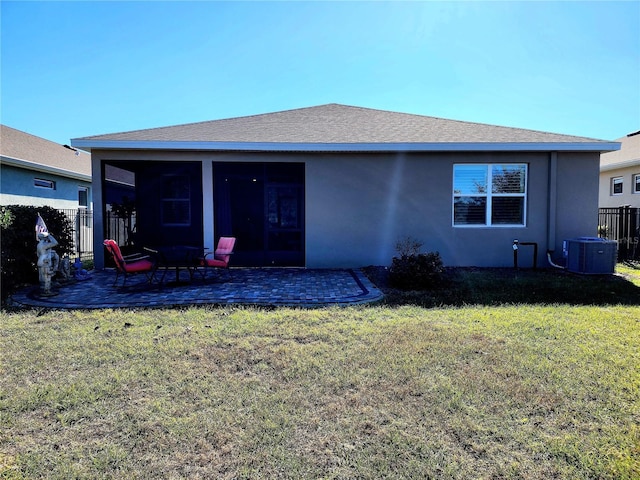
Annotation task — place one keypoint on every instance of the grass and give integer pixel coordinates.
(388, 391)
(630, 271)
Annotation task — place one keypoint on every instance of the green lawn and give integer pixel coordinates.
(507, 391)
(630, 271)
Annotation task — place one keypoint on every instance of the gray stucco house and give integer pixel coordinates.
(38, 172)
(338, 186)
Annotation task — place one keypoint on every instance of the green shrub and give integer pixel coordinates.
(412, 270)
(18, 242)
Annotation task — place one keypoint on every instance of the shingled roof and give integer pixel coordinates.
(335, 127)
(35, 153)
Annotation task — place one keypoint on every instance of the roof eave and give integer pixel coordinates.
(39, 167)
(89, 144)
(620, 165)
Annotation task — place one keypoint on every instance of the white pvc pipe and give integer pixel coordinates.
(551, 261)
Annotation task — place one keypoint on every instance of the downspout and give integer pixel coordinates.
(552, 205)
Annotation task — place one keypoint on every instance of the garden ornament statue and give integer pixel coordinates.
(48, 261)
(80, 273)
(65, 269)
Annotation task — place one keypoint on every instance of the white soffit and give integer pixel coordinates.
(619, 165)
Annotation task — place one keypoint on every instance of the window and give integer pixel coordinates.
(176, 200)
(489, 195)
(83, 197)
(42, 183)
(636, 183)
(616, 186)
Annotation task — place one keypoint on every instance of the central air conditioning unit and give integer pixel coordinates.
(591, 255)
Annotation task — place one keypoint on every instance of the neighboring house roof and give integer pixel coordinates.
(24, 150)
(119, 175)
(627, 156)
(336, 127)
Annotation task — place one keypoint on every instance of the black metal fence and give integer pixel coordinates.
(82, 221)
(121, 229)
(623, 225)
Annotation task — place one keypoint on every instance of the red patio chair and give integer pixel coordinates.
(220, 257)
(130, 264)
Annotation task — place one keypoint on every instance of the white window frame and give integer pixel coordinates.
(489, 195)
(636, 183)
(168, 201)
(44, 183)
(617, 181)
(86, 191)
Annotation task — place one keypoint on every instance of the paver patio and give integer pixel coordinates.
(242, 286)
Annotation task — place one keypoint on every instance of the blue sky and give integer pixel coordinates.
(72, 69)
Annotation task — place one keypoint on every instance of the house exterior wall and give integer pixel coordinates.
(359, 205)
(628, 197)
(577, 212)
(17, 188)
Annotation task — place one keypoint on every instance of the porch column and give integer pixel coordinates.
(97, 174)
(207, 204)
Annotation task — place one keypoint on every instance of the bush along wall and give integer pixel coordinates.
(413, 270)
(18, 265)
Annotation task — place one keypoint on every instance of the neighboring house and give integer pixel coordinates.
(338, 186)
(38, 172)
(620, 174)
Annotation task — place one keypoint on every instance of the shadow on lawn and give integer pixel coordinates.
(494, 286)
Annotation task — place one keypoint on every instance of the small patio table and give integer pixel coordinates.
(180, 257)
